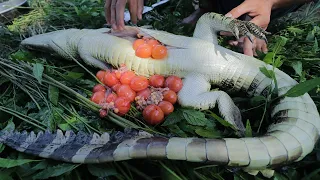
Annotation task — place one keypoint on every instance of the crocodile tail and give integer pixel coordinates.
(296, 126)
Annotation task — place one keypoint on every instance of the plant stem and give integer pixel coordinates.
(21, 116)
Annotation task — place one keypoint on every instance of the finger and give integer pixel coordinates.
(140, 9)
(264, 48)
(239, 10)
(247, 47)
(113, 20)
(233, 43)
(258, 46)
(262, 21)
(107, 11)
(133, 7)
(241, 39)
(121, 4)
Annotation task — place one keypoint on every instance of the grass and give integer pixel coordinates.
(56, 96)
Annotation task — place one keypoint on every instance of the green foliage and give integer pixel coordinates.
(37, 71)
(55, 171)
(101, 170)
(9, 163)
(303, 87)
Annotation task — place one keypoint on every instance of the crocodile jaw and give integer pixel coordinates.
(39, 42)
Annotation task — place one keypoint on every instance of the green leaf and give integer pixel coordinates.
(73, 75)
(5, 176)
(9, 163)
(315, 47)
(248, 129)
(281, 40)
(278, 62)
(55, 171)
(94, 14)
(176, 130)
(22, 56)
(10, 126)
(222, 121)
(101, 170)
(266, 72)
(173, 118)
(269, 58)
(257, 100)
(313, 175)
(195, 117)
(295, 30)
(278, 176)
(297, 66)
(208, 133)
(37, 71)
(41, 165)
(186, 127)
(2, 146)
(167, 173)
(53, 94)
(303, 87)
(310, 36)
(64, 126)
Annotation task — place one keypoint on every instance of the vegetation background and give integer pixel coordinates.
(39, 91)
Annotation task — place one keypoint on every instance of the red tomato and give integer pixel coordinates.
(100, 75)
(159, 52)
(139, 83)
(123, 105)
(125, 91)
(111, 97)
(98, 97)
(144, 93)
(170, 96)
(166, 107)
(137, 43)
(174, 83)
(144, 51)
(118, 74)
(98, 87)
(126, 77)
(153, 114)
(116, 87)
(156, 81)
(110, 79)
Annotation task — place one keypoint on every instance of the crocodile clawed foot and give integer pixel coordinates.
(230, 112)
(249, 29)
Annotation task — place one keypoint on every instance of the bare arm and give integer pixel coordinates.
(283, 3)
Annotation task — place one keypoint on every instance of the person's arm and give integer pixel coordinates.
(284, 3)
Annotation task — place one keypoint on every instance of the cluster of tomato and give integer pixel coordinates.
(120, 89)
(146, 48)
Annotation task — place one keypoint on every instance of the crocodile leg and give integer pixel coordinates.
(210, 23)
(197, 88)
(90, 60)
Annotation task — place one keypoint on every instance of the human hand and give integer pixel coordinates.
(249, 48)
(114, 12)
(260, 12)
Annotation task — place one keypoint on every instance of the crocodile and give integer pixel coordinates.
(201, 62)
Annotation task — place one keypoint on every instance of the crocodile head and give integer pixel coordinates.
(40, 42)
